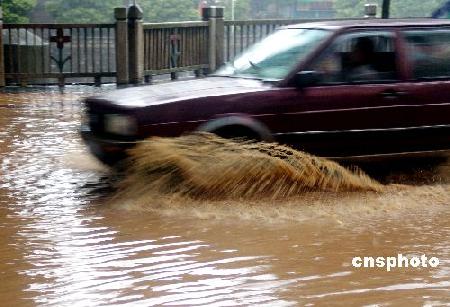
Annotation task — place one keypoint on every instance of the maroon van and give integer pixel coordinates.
(336, 89)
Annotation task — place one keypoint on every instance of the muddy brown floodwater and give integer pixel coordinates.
(65, 242)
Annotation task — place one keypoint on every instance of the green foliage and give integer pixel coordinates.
(399, 8)
(16, 11)
(98, 11)
(350, 8)
(241, 9)
(414, 8)
(169, 10)
(82, 11)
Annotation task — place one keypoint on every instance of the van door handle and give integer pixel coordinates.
(393, 94)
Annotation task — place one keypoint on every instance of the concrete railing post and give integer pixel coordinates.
(370, 10)
(120, 14)
(2, 61)
(135, 45)
(215, 17)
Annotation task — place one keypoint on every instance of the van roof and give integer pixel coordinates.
(372, 22)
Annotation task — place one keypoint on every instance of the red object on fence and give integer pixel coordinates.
(201, 5)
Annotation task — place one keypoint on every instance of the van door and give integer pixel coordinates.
(358, 101)
(428, 86)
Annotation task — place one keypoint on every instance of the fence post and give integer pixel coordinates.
(386, 9)
(120, 13)
(2, 61)
(135, 45)
(215, 17)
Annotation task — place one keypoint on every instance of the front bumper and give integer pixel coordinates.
(108, 151)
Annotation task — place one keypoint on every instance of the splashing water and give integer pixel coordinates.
(204, 166)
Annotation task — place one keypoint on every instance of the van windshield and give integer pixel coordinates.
(276, 55)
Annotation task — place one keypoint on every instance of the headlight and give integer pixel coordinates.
(120, 124)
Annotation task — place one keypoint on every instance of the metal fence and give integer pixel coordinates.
(175, 47)
(47, 51)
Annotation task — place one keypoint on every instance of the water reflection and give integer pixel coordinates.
(61, 244)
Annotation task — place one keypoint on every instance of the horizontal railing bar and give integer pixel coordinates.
(175, 69)
(165, 25)
(277, 21)
(57, 75)
(263, 22)
(57, 26)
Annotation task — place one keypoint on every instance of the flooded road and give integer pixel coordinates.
(63, 242)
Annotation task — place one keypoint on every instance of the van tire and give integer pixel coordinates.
(237, 132)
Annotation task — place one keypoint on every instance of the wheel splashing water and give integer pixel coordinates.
(204, 166)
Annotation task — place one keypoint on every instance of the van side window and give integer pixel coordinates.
(365, 57)
(429, 53)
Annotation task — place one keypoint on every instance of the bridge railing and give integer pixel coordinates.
(41, 52)
(174, 47)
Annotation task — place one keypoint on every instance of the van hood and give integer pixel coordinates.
(158, 94)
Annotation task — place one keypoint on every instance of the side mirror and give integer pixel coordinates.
(304, 79)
